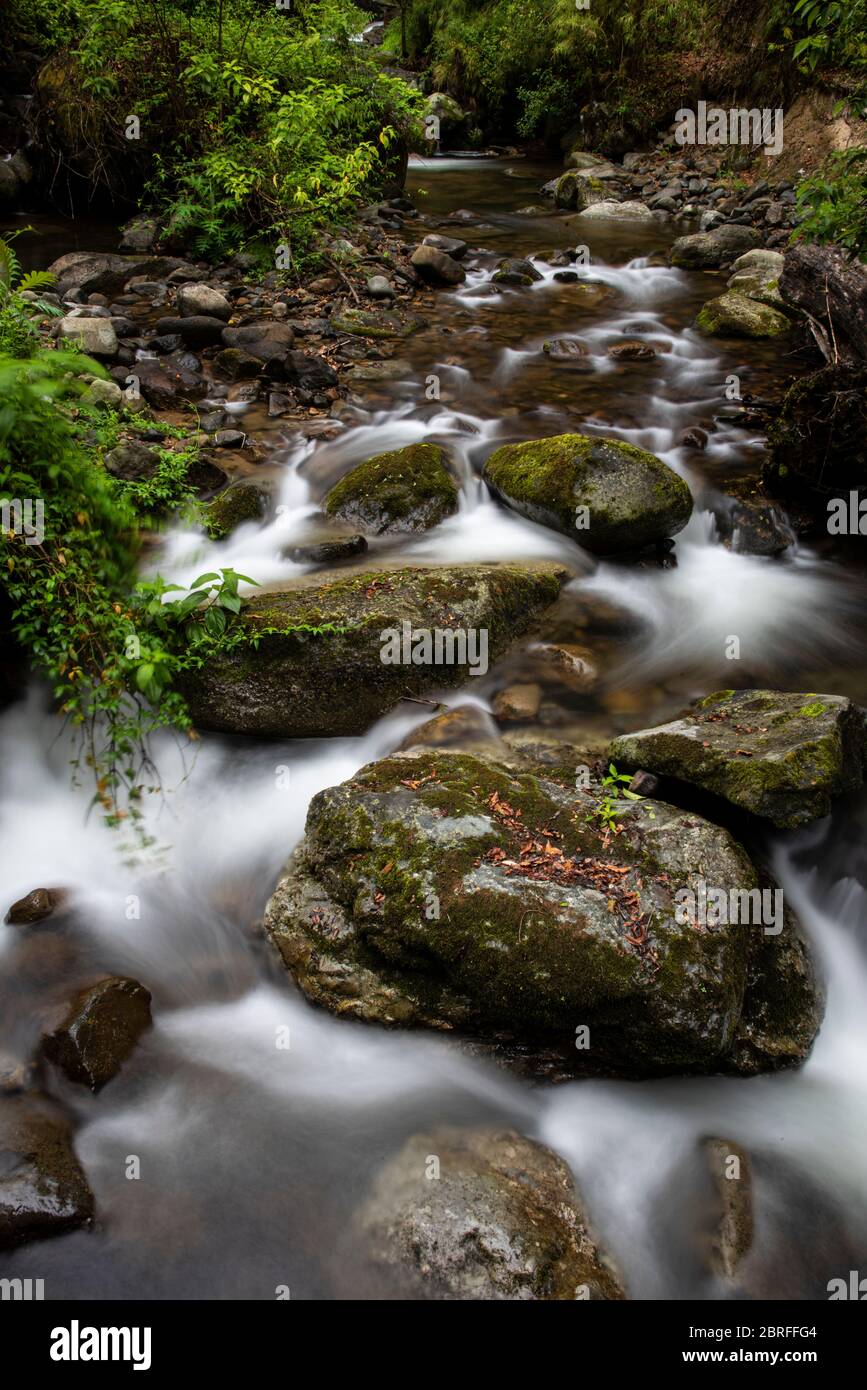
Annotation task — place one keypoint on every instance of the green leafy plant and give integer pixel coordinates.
(833, 204)
(614, 786)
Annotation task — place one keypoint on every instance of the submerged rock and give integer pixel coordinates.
(318, 668)
(781, 756)
(606, 495)
(408, 489)
(482, 1214)
(448, 890)
(99, 1030)
(43, 1190)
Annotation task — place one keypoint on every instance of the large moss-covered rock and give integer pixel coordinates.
(778, 755)
(407, 489)
(497, 1217)
(448, 890)
(738, 315)
(632, 499)
(317, 668)
(43, 1190)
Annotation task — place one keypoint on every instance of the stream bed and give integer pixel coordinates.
(253, 1156)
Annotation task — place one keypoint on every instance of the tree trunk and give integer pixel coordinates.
(832, 291)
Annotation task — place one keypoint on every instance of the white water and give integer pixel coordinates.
(253, 1157)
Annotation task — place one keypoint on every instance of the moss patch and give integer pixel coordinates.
(406, 489)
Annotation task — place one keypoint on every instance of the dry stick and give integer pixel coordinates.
(345, 280)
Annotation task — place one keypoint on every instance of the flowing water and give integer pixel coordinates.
(253, 1157)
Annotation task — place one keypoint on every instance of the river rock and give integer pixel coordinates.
(36, 906)
(446, 890)
(132, 460)
(308, 373)
(139, 234)
(628, 211)
(239, 503)
(407, 489)
(781, 756)
(398, 369)
(99, 1030)
(318, 668)
(500, 1221)
(734, 315)
(194, 330)
(436, 267)
(96, 272)
(378, 287)
(632, 498)
(200, 299)
(43, 1190)
(449, 245)
(95, 336)
(267, 340)
(377, 323)
(452, 118)
(581, 159)
(575, 191)
(707, 250)
(164, 383)
(754, 528)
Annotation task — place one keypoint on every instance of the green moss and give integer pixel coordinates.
(407, 489)
(632, 499)
(238, 503)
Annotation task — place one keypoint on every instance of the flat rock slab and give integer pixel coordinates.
(317, 668)
(781, 756)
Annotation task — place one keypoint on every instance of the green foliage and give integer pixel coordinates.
(111, 649)
(18, 331)
(531, 64)
(614, 786)
(833, 203)
(254, 121)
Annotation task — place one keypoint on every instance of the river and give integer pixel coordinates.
(253, 1157)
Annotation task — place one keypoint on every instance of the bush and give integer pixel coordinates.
(246, 121)
(833, 203)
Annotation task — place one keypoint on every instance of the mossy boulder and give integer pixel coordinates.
(236, 504)
(500, 1220)
(576, 191)
(632, 499)
(737, 315)
(310, 660)
(781, 756)
(407, 489)
(377, 323)
(448, 890)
